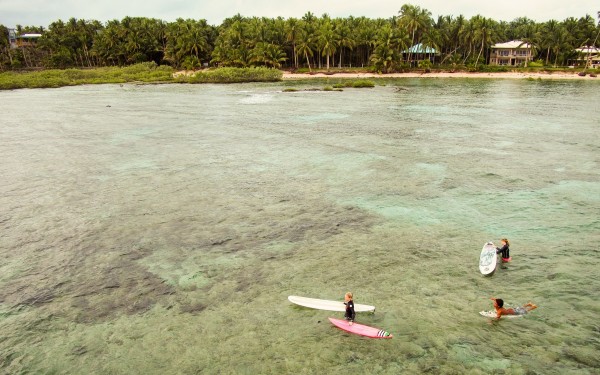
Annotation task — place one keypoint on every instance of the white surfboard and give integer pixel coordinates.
(487, 259)
(492, 314)
(323, 304)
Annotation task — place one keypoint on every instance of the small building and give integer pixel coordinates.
(513, 53)
(588, 56)
(420, 52)
(12, 38)
(27, 39)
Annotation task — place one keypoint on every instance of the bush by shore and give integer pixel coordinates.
(152, 73)
(232, 75)
(143, 73)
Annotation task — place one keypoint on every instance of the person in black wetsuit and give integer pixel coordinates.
(505, 250)
(350, 314)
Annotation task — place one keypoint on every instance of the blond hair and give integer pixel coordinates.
(349, 295)
(506, 240)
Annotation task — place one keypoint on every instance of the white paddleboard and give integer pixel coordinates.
(487, 259)
(323, 304)
(492, 314)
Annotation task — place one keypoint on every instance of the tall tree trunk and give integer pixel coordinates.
(87, 55)
(9, 55)
(25, 57)
(307, 61)
(411, 47)
(295, 55)
(479, 55)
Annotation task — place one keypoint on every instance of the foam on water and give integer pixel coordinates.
(160, 229)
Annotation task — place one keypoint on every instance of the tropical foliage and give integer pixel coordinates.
(306, 43)
(143, 72)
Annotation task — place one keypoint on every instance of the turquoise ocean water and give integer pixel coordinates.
(160, 229)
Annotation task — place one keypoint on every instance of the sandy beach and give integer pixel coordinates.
(509, 75)
(496, 75)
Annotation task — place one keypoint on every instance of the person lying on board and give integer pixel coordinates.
(350, 314)
(521, 310)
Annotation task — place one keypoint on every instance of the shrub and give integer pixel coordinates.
(235, 75)
(190, 63)
(145, 72)
(363, 83)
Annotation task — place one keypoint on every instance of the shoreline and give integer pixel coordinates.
(496, 75)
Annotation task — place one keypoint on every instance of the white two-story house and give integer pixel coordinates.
(513, 53)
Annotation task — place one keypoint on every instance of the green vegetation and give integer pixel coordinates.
(362, 83)
(144, 72)
(233, 75)
(301, 44)
(357, 83)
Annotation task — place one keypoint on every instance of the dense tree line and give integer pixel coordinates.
(307, 42)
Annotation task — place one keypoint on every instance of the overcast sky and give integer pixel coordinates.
(44, 12)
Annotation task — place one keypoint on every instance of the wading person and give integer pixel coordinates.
(350, 313)
(504, 250)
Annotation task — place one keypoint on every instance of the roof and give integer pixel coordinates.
(419, 48)
(30, 36)
(512, 44)
(588, 49)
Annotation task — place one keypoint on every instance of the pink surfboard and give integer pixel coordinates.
(360, 329)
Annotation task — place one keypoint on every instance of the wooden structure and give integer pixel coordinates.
(587, 56)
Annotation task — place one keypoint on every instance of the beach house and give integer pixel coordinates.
(25, 40)
(419, 52)
(588, 56)
(513, 53)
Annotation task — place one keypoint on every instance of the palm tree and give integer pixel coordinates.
(343, 37)
(550, 32)
(432, 40)
(416, 21)
(560, 41)
(292, 29)
(187, 40)
(305, 43)
(384, 53)
(326, 40)
(365, 35)
(483, 34)
(268, 54)
(467, 38)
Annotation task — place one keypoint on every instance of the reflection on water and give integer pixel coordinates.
(160, 229)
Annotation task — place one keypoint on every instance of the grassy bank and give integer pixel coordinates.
(232, 75)
(152, 73)
(144, 73)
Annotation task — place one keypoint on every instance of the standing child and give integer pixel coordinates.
(350, 314)
(505, 250)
